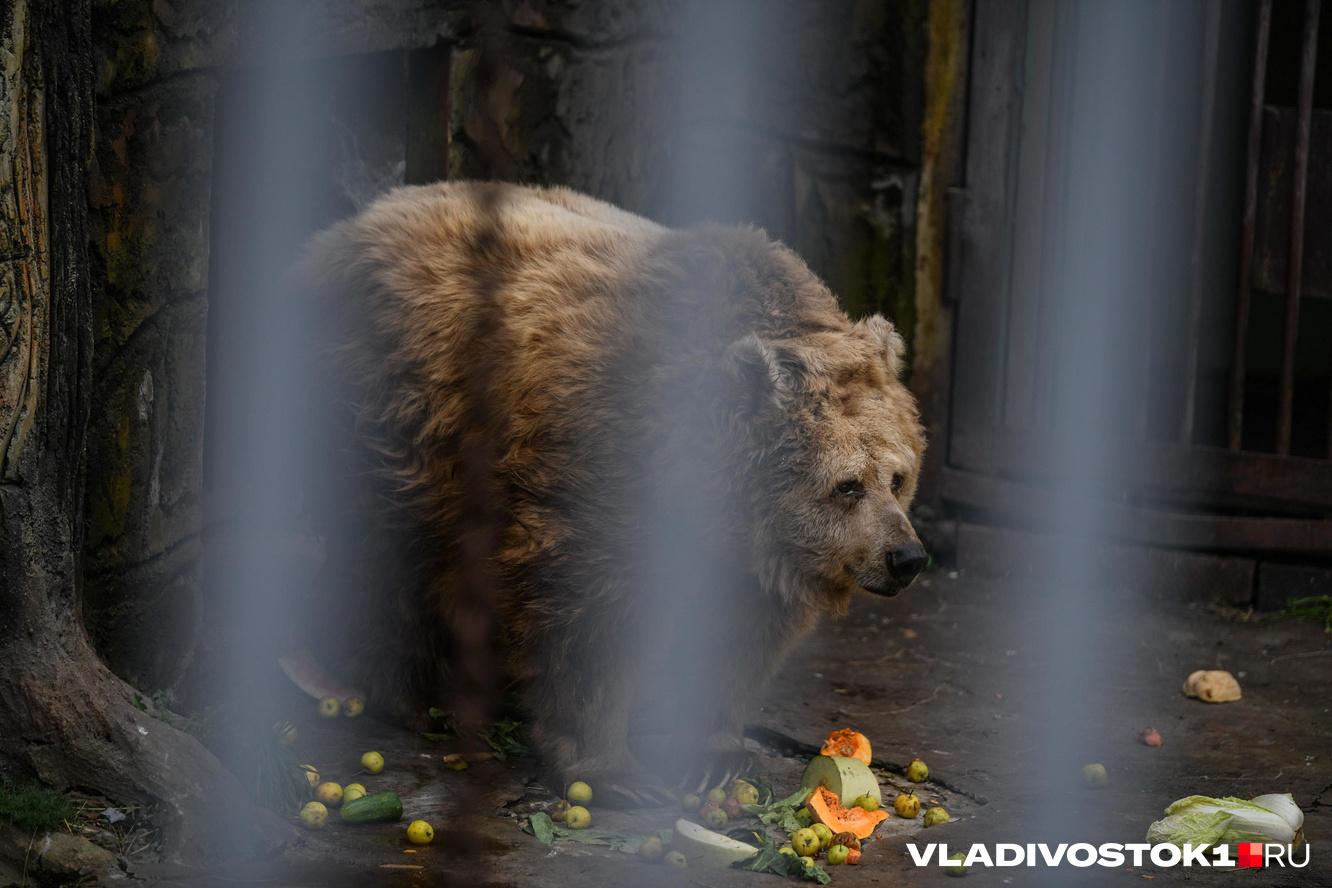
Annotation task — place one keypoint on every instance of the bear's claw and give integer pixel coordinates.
(719, 768)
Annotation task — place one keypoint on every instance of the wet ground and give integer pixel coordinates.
(937, 673)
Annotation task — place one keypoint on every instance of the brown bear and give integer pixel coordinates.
(695, 453)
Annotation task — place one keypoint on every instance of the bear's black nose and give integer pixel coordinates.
(905, 562)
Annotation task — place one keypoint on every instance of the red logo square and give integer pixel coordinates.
(1250, 854)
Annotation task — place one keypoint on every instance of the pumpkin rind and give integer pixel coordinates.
(828, 810)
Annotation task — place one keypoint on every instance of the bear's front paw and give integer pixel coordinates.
(717, 764)
(627, 787)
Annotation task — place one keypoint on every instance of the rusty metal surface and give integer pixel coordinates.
(1308, 65)
(1272, 225)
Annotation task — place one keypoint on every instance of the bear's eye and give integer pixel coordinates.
(898, 481)
(849, 487)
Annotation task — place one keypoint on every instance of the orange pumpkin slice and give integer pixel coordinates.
(828, 810)
(848, 744)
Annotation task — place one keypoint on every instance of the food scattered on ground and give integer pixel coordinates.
(351, 792)
(847, 778)
(846, 743)
(1203, 820)
(505, 739)
(817, 823)
(1212, 686)
(285, 732)
(579, 793)
(455, 762)
(917, 771)
(907, 804)
(848, 839)
(1152, 737)
(372, 762)
(935, 816)
(829, 811)
(1094, 776)
(956, 867)
(329, 707)
(420, 833)
(704, 847)
(805, 842)
(329, 793)
(379, 807)
(651, 849)
(745, 792)
(353, 706)
(577, 817)
(314, 815)
(311, 776)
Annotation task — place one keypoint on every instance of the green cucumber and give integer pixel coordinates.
(382, 807)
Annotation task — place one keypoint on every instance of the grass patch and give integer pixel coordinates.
(34, 808)
(1316, 608)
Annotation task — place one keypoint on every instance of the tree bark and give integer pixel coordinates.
(64, 718)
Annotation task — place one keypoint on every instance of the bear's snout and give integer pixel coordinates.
(905, 562)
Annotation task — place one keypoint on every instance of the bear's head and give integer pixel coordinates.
(841, 455)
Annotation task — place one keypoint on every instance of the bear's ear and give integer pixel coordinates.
(763, 370)
(882, 329)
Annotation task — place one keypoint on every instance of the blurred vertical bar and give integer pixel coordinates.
(1295, 260)
(1247, 232)
(1206, 124)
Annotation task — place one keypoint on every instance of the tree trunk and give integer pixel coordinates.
(65, 718)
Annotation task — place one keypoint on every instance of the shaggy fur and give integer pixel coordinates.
(697, 453)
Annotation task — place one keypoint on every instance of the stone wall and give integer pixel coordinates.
(801, 116)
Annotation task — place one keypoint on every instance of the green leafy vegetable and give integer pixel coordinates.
(770, 860)
(541, 826)
(548, 831)
(505, 739)
(780, 813)
(1205, 820)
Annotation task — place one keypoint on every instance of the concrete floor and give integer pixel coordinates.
(936, 673)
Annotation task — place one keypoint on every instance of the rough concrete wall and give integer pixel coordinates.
(624, 101)
(158, 67)
(813, 132)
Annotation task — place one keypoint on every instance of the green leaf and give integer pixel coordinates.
(547, 831)
(780, 813)
(541, 826)
(436, 738)
(505, 740)
(770, 860)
